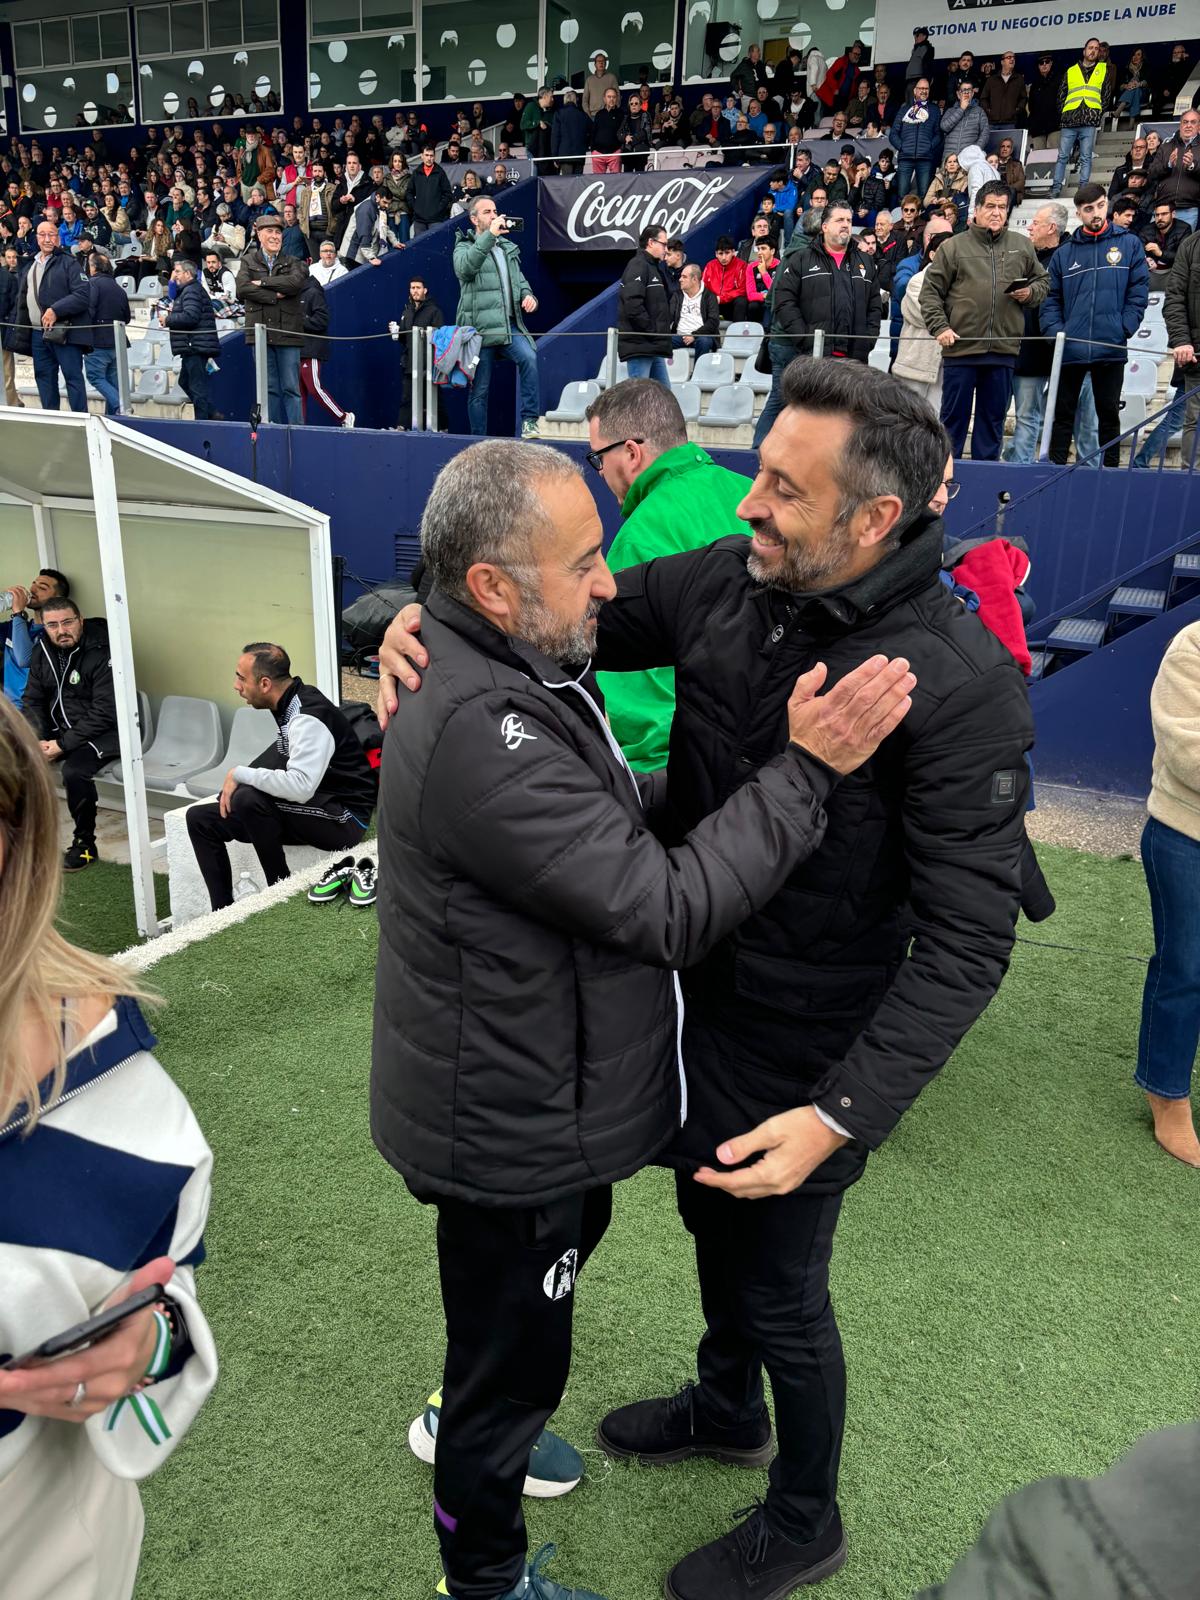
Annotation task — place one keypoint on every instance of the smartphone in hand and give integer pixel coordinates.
(85, 1334)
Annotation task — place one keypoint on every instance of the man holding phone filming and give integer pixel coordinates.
(526, 1051)
(495, 299)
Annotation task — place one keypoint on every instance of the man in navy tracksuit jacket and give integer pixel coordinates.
(1099, 290)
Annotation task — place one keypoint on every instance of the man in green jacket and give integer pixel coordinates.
(973, 303)
(673, 497)
(495, 293)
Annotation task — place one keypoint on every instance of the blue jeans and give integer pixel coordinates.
(781, 352)
(101, 369)
(990, 385)
(703, 344)
(914, 177)
(1190, 215)
(649, 367)
(1154, 441)
(1030, 397)
(1068, 139)
(1130, 103)
(283, 385)
(1170, 1030)
(520, 353)
(48, 361)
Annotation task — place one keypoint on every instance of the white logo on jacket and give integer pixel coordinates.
(512, 731)
(560, 1279)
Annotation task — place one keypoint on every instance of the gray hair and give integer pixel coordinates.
(475, 205)
(188, 266)
(1059, 216)
(484, 506)
(691, 269)
(640, 408)
(896, 446)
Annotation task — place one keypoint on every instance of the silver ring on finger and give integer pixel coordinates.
(79, 1396)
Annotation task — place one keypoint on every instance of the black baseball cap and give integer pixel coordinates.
(1046, 58)
(916, 31)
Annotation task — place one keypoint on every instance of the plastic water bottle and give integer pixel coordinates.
(244, 886)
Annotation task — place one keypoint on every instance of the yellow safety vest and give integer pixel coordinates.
(1083, 91)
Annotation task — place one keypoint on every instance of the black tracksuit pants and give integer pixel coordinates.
(763, 1267)
(1107, 378)
(507, 1291)
(79, 768)
(255, 818)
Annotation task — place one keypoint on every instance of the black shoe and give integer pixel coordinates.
(81, 854)
(753, 1562)
(658, 1433)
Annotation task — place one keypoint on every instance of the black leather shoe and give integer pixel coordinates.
(753, 1562)
(660, 1432)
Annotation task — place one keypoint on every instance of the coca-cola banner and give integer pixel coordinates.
(609, 212)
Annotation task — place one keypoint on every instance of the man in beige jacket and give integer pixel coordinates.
(1170, 1031)
(597, 81)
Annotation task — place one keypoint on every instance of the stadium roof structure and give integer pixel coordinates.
(186, 560)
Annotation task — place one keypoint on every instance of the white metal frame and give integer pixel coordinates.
(272, 510)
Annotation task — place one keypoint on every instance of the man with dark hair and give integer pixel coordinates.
(725, 275)
(673, 496)
(1162, 236)
(646, 309)
(70, 702)
(421, 310)
(22, 632)
(1099, 288)
(107, 303)
(967, 307)
(191, 322)
(313, 786)
(430, 194)
(827, 1012)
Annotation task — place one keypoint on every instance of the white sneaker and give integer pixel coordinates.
(348, 420)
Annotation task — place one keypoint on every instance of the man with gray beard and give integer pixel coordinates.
(812, 1027)
(526, 1017)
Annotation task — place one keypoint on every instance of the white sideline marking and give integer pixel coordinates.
(142, 956)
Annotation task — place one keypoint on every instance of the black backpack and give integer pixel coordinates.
(367, 731)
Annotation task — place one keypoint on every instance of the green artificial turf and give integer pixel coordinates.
(1015, 1279)
(97, 907)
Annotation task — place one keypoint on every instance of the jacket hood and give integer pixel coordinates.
(131, 1036)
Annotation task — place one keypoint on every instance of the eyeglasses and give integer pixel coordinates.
(951, 487)
(595, 458)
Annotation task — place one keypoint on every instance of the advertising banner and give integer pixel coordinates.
(609, 212)
(989, 26)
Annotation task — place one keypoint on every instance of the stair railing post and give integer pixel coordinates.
(1056, 363)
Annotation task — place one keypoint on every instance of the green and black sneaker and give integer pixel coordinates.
(333, 882)
(362, 883)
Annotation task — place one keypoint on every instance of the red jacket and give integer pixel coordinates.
(728, 282)
(994, 571)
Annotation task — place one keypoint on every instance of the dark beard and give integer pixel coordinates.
(801, 570)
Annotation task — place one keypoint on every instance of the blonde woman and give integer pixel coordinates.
(104, 1190)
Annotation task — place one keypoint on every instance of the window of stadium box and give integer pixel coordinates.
(195, 57)
(73, 72)
(718, 33)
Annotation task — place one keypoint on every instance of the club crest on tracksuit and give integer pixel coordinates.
(560, 1279)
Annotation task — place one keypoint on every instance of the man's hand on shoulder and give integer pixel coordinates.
(399, 655)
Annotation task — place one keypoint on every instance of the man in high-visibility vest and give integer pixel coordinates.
(1085, 98)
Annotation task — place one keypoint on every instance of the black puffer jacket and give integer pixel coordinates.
(316, 322)
(646, 309)
(525, 1019)
(819, 997)
(69, 696)
(811, 291)
(192, 322)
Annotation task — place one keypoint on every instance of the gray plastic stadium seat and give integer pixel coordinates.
(622, 373)
(126, 280)
(251, 733)
(1133, 411)
(145, 727)
(742, 339)
(1141, 376)
(574, 401)
(730, 407)
(679, 366)
(758, 382)
(187, 741)
(688, 395)
(713, 372)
